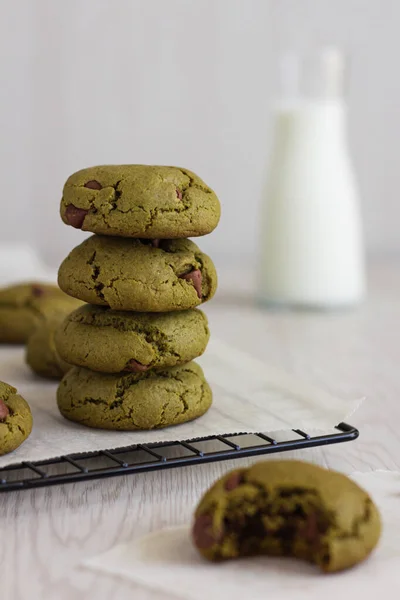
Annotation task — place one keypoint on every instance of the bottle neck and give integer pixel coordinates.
(317, 79)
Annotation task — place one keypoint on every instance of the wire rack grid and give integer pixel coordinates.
(140, 458)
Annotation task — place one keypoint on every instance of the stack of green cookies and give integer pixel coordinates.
(133, 344)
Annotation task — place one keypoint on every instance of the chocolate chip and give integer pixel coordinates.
(233, 481)
(287, 532)
(136, 367)
(38, 291)
(310, 529)
(155, 242)
(202, 533)
(313, 529)
(195, 277)
(178, 194)
(4, 412)
(93, 185)
(75, 216)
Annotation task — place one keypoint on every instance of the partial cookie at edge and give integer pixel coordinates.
(15, 419)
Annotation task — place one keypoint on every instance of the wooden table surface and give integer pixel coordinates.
(46, 533)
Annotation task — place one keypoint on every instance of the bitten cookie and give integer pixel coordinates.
(25, 306)
(129, 274)
(15, 419)
(287, 508)
(139, 201)
(110, 341)
(41, 354)
(148, 400)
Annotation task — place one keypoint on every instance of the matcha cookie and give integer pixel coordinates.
(287, 508)
(23, 307)
(148, 400)
(139, 201)
(129, 274)
(41, 354)
(109, 341)
(15, 419)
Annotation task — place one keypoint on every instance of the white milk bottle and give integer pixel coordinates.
(311, 243)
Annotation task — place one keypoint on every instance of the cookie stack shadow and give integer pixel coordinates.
(133, 344)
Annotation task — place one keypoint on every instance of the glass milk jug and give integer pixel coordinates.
(311, 247)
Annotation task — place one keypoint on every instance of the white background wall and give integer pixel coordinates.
(186, 82)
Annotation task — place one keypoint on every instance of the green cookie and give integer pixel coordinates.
(128, 274)
(15, 419)
(25, 306)
(148, 400)
(287, 508)
(139, 201)
(109, 341)
(41, 354)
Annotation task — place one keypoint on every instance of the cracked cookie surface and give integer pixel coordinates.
(15, 419)
(130, 274)
(25, 306)
(108, 341)
(41, 353)
(139, 201)
(287, 508)
(150, 400)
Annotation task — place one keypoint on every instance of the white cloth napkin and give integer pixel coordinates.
(249, 396)
(167, 562)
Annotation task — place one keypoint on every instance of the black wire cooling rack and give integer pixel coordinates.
(141, 457)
